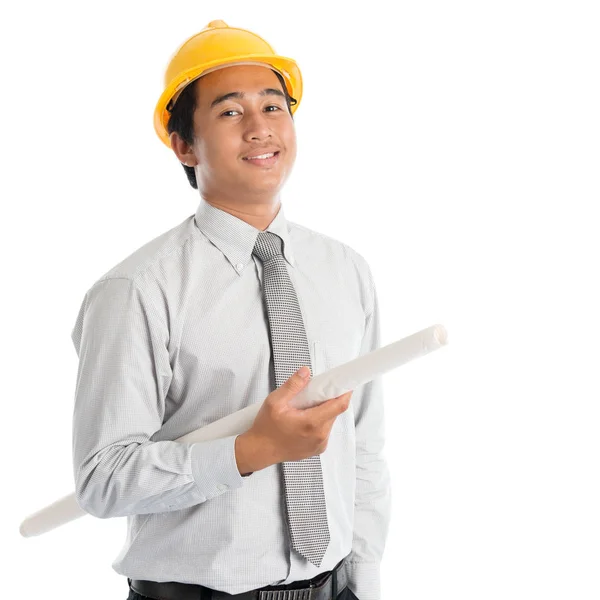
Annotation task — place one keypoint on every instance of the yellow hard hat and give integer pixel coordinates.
(215, 46)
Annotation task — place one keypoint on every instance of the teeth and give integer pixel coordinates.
(262, 156)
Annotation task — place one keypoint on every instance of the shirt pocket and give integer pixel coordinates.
(318, 359)
(344, 422)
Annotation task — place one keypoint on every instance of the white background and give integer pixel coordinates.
(455, 145)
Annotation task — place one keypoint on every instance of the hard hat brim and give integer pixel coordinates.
(286, 66)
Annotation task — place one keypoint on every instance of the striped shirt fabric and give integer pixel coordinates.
(176, 336)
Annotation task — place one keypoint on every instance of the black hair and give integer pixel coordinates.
(182, 113)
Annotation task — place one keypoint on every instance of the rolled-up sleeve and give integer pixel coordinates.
(123, 377)
(373, 489)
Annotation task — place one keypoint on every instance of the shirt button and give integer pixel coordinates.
(239, 266)
(221, 487)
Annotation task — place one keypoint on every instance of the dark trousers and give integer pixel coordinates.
(347, 594)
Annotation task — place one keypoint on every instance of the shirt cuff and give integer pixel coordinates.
(214, 467)
(364, 579)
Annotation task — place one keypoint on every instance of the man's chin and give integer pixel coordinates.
(260, 187)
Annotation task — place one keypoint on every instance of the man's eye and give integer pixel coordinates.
(270, 106)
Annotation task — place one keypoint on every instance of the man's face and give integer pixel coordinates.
(226, 131)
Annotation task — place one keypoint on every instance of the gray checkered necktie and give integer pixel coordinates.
(304, 495)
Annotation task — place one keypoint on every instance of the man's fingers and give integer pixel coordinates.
(330, 409)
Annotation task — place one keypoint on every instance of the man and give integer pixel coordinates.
(217, 313)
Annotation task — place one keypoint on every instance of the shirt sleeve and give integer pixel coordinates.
(122, 379)
(373, 488)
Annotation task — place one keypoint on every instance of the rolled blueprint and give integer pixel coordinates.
(322, 387)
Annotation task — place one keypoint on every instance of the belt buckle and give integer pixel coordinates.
(308, 593)
(305, 594)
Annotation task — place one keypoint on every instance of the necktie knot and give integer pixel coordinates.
(267, 245)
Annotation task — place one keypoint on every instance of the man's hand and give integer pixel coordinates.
(281, 432)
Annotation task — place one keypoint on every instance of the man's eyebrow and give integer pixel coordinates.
(241, 95)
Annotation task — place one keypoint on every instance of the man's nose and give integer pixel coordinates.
(257, 124)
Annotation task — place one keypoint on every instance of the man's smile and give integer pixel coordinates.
(271, 159)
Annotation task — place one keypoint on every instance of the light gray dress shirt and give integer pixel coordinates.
(175, 337)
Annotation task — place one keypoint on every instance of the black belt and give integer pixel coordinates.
(325, 586)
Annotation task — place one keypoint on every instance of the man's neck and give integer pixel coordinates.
(257, 215)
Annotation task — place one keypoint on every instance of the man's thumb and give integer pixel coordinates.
(298, 380)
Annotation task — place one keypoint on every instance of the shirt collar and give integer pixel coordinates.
(236, 238)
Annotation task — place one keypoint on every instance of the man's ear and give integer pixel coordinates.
(183, 150)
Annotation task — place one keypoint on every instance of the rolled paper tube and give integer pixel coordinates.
(322, 387)
(350, 375)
